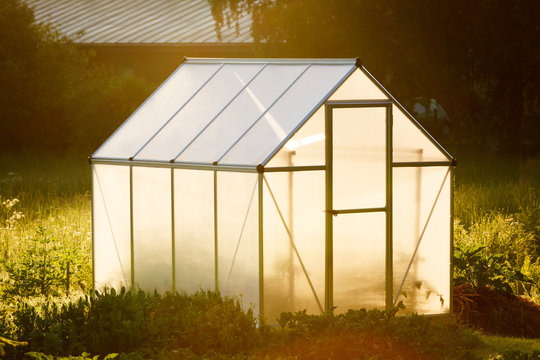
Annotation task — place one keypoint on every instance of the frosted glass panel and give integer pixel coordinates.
(359, 158)
(427, 286)
(358, 87)
(254, 100)
(112, 258)
(201, 109)
(300, 199)
(152, 228)
(157, 110)
(194, 229)
(410, 144)
(283, 117)
(359, 261)
(306, 147)
(238, 259)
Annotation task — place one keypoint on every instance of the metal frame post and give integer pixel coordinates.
(261, 247)
(92, 170)
(216, 273)
(329, 231)
(131, 237)
(451, 290)
(389, 274)
(173, 235)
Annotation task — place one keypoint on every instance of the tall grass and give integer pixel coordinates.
(48, 193)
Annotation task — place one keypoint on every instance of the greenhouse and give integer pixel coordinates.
(291, 183)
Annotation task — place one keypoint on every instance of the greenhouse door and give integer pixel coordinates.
(358, 205)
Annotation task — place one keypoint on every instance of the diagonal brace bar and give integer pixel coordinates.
(293, 245)
(420, 238)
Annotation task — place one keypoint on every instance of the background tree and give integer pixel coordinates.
(52, 98)
(480, 59)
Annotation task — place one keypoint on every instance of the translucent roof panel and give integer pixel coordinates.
(202, 108)
(288, 113)
(156, 110)
(254, 100)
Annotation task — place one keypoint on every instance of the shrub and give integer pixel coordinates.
(126, 321)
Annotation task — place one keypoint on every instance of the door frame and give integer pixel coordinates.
(330, 212)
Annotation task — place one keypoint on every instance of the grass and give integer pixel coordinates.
(493, 346)
(48, 192)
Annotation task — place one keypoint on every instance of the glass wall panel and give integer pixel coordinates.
(112, 259)
(306, 147)
(299, 196)
(410, 144)
(252, 102)
(284, 116)
(152, 229)
(238, 241)
(427, 286)
(359, 147)
(194, 230)
(358, 87)
(359, 261)
(156, 111)
(200, 110)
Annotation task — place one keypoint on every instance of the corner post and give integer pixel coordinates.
(451, 290)
(329, 247)
(260, 175)
(131, 237)
(389, 274)
(92, 170)
(216, 273)
(173, 234)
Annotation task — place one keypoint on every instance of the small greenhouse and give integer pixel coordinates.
(292, 183)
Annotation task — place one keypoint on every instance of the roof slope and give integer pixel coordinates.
(216, 111)
(138, 21)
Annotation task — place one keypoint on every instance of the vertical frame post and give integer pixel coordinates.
(173, 234)
(261, 246)
(216, 280)
(131, 237)
(92, 169)
(329, 247)
(451, 290)
(389, 273)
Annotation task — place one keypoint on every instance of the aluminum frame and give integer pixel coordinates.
(329, 206)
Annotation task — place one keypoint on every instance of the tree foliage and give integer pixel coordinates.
(480, 59)
(47, 84)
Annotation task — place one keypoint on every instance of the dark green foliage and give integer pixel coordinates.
(520, 355)
(51, 95)
(127, 321)
(362, 334)
(475, 266)
(485, 75)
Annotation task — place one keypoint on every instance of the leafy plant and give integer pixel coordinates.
(475, 266)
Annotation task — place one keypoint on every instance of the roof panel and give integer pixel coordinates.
(168, 99)
(138, 21)
(254, 100)
(287, 114)
(201, 109)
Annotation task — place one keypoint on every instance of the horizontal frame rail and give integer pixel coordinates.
(193, 166)
(356, 211)
(358, 103)
(294, 168)
(423, 163)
